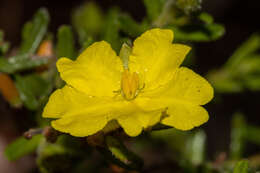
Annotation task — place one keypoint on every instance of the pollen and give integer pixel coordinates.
(129, 84)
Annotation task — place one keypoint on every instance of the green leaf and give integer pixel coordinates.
(223, 81)
(34, 31)
(88, 21)
(130, 26)
(111, 29)
(241, 70)
(20, 63)
(61, 156)
(198, 33)
(195, 148)
(21, 147)
(32, 88)
(248, 47)
(66, 43)
(206, 18)
(154, 8)
(189, 6)
(120, 155)
(241, 167)
(87, 43)
(237, 136)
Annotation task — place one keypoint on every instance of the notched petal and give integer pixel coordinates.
(96, 72)
(185, 116)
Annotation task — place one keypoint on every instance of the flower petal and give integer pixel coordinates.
(130, 124)
(80, 114)
(69, 101)
(183, 96)
(185, 116)
(148, 119)
(155, 58)
(187, 86)
(97, 71)
(80, 125)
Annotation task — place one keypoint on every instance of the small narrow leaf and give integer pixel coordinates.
(20, 63)
(195, 148)
(198, 33)
(237, 136)
(111, 29)
(66, 43)
(21, 147)
(131, 27)
(34, 31)
(247, 48)
(31, 89)
(88, 21)
(154, 8)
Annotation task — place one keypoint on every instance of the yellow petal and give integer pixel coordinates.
(69, 101)
(148, 119)
(185, 116)
(97, 71)
(149, 110)
(155, 58)
(81, 125)
(130, 124)
(187, 86)
(78, 113)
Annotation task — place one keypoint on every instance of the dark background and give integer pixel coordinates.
(240, 17)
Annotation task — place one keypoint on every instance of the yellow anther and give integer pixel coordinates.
(129, 84)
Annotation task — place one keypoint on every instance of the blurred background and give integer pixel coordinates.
(240, 18)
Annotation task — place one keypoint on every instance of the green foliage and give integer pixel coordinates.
(120, 155)
(198, 33)
(241, 71)
(241, 167)
(130, 26)
(58, 156)
(195, 148)
(21, 147)
(34, 31)
(88, 21)
(111, 29)
(36, 77)
(66, 43)
(21, 62)
(154, 8)
(189, 6)
(31, 88)
(237, 136)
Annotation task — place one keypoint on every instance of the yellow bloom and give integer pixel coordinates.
(99, 89)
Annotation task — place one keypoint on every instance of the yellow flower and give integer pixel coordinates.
(99, 89)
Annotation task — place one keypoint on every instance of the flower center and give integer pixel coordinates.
(129, 84)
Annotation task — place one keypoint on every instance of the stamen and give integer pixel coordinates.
(129, 84)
